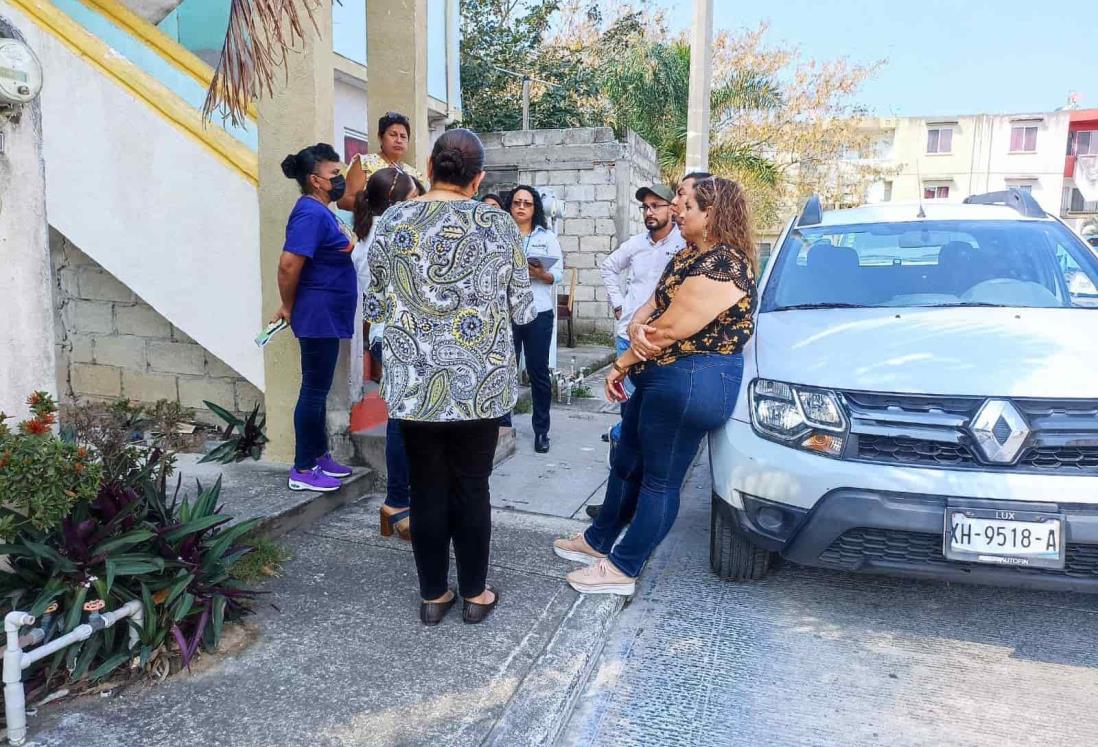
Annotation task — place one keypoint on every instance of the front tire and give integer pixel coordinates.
(732, 555)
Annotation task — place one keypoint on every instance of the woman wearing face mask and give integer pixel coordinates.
(316, 280)
(384, 189)
(394, 132)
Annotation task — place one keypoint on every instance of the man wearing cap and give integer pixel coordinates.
(632, 271)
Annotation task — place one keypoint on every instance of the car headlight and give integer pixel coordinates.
(798, 416)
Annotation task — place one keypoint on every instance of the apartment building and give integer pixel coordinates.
(951, 157)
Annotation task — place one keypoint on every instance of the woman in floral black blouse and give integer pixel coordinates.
(686, 363)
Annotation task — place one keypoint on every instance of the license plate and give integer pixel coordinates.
(1004, 537)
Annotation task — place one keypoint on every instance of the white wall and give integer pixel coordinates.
(26, 334)
(349, 110)
(152, 205)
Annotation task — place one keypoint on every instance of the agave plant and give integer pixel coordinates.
(241, 438)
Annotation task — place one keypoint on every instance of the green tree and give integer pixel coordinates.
(648, 88)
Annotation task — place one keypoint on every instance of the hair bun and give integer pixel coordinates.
(291, 166)
(452, 158)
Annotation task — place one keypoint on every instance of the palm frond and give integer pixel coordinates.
(259, 36)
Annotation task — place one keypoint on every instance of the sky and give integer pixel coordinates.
(959, 57)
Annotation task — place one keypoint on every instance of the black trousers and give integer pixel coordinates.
(449, 465)
(536, 339)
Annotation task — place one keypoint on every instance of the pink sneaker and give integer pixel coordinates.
(576, 549)
(602, 577)
(331, 467)
(313, 480)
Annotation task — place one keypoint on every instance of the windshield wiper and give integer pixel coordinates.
(962, 304)
(822, 306)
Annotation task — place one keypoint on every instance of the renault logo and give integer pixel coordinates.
(1000, 431)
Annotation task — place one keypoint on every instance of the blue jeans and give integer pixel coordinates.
(397, 488)
(318, 363)
(535, 339)
(673, 408)
(621, 344)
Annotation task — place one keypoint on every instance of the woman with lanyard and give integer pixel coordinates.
(318, 287)
(394, 132)
(536, 339)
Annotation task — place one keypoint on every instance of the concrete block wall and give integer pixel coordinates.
(596, 175)
(111, 344)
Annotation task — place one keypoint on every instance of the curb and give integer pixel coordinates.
(307, 508)
(542, 705)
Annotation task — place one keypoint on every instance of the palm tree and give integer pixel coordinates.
(260, 34)
(649, 91)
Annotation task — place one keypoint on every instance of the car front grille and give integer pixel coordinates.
(933, 431)
(856, 547)
(913, 451)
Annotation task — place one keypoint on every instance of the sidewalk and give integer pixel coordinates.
(342, 660)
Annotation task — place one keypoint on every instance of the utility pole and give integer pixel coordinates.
(701, 77)
(526, 102)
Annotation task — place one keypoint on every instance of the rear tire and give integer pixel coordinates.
(732, 555)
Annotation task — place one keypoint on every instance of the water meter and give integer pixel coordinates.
(20, 73)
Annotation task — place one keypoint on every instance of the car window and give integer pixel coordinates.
(932, 263)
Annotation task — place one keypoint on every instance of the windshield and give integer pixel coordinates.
(1036, 264)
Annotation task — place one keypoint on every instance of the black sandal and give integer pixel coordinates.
(473, 612)
(431, 613)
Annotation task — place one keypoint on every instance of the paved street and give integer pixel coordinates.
(819, 658)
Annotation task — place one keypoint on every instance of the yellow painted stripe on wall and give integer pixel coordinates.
(169, 49)
(123, 72)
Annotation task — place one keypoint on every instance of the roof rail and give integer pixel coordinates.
(811, 213)
(1020, 201)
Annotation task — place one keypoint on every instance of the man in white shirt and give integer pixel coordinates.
(632, 271)
(644, 257)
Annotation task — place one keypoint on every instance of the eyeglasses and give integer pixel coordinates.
(653, 208)
(522, 203)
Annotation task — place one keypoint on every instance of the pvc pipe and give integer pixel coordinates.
(16, 659)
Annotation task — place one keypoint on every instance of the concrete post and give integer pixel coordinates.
(299, 114)
(701, 75)
(396, 44)
(26, 282)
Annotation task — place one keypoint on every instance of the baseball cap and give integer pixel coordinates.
(662, 191)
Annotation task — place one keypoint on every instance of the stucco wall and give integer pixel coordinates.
(152, 204)
(26, 334)
(596, 176)
(110, 344)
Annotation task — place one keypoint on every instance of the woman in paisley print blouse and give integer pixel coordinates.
(686, 364)
(448, 278)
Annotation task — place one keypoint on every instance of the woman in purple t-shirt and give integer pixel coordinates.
(318, 285)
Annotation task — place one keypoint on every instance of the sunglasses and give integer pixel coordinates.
(522, 203)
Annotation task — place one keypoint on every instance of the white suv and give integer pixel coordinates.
(920, 398)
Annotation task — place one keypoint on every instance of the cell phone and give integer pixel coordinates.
(618, 390)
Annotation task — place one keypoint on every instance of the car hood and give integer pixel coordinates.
(987, 352)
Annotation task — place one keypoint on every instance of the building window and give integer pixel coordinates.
(935, 192)
(1023, 139)
(887, 195)
(1027, 188)
(1084, 143)
(1074, 202)
(354, 144)
(939, 140)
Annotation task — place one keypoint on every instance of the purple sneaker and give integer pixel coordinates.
(314, 480)
(331, 467)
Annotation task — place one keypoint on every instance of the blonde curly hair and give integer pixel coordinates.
(730, 221)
